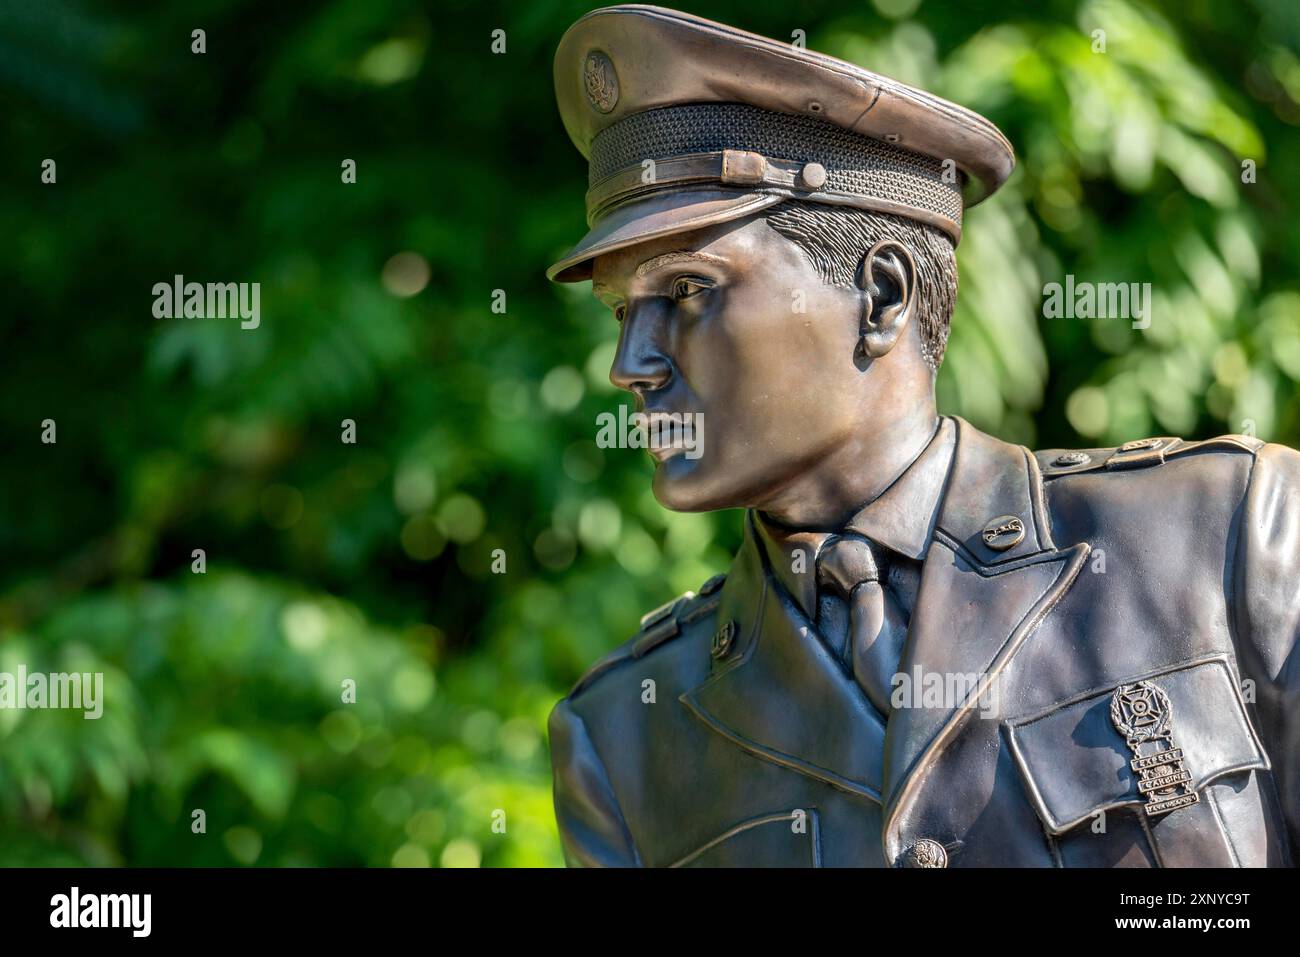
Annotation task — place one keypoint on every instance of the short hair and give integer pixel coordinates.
(834, 238)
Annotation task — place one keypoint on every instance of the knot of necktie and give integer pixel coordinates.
(844, 563)
(860, 622)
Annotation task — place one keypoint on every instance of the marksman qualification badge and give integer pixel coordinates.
(1144, 715)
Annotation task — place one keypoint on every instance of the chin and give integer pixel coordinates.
(686, 485)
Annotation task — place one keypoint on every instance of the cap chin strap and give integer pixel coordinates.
(745, 169)
(728, 167)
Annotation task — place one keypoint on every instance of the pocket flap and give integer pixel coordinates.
(1075, 763)
(784, 839)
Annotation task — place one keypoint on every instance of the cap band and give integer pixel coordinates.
(733, 144)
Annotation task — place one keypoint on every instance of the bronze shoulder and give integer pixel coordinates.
(659, 626)
(1140, 453)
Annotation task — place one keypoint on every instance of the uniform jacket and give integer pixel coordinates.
(725, 734)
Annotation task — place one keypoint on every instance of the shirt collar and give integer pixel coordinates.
(901, 518)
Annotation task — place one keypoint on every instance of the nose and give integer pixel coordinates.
(641, 363)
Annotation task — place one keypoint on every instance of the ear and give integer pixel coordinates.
(887, 280)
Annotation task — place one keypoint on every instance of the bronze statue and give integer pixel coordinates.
(934, 648)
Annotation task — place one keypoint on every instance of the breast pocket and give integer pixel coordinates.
(1078, 771)
(781, 839)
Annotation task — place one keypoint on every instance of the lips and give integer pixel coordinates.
(668, 434)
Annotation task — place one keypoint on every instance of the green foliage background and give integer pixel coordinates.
(476, 430)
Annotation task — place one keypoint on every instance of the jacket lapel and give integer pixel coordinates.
(778, 693)
(976, 604)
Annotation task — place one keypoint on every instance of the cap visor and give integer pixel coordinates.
(663, 215)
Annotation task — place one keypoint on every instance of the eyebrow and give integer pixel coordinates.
(681, 255)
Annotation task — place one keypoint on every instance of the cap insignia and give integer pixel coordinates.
(600, 81)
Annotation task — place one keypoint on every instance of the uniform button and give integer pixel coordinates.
(1003, 532)
(1139, 444)
(813, 175)
(1068, 459)
(925, 853)
(723, 639)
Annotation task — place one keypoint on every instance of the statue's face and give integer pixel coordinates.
(731, 324)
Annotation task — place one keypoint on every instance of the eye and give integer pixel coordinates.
(620, 313)
(684, 287)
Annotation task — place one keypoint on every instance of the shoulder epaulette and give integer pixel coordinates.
(1140, 453)
(657, 627)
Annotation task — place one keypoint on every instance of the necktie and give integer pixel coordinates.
(860, 619)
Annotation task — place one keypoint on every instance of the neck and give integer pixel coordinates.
(830, 493)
